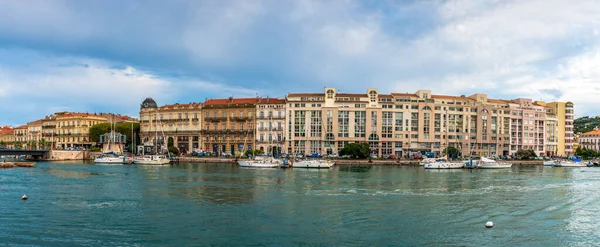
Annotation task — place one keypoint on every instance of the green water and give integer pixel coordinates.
(223, 205)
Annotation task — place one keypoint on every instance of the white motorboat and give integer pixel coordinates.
(260, 162)
(486, 163)
(109, 158)
(152, 160)
(549, 162)
(570, 163)
(444, 165)
(318, 163)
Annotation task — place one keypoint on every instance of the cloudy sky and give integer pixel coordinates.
(100, 56)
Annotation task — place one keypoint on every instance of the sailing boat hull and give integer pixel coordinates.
(495, 166)
(317, 164)
(443, 165)
(257, 164)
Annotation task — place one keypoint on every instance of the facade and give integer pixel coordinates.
(73, 129)
(401, 124)
(565, 137)
(270, 125)
(179, 124)
(7, 137)
(21, 136)
(182, 125)
(49, 130)
(229, 125)
(34, 134)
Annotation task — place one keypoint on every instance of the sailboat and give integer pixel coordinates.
(443, 163)
(486, 163)
(313, 163)
(111, 157)
(260, 162)
(154, 159)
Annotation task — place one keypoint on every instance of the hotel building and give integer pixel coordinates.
(21, 136)
(180, 123)
(565, 137)
(270, 125)
(73, 129)
(34, 134)
(400, 124)
(7, 137)
(229, 124)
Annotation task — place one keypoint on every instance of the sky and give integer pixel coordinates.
(108, 56)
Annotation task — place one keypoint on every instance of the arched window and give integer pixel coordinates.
(373, 96)
(330, 94)
(426, 108)
(373, 137)
(484, 111)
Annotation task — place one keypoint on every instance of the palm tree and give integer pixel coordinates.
(43, 143)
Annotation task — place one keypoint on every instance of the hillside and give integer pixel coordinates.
(585, 124)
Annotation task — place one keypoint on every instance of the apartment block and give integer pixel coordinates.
(270, 125)
(229, 124)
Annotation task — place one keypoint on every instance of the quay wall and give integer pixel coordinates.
(58, 155)
(398, 162)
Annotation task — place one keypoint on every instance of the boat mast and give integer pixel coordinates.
(255, 126)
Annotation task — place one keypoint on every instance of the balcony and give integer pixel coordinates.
(215, 119)
(271, 117)
(240, 119)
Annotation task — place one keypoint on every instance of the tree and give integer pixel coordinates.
(18, 144)
(124, 128)
(452, 152)
(174, 151)
(249, 153)
(2, 143)
(43, 143)
(356, 150)
(525, 154)
(170, 142)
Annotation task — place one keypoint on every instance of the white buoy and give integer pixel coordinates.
(489, 224)
(24, 197)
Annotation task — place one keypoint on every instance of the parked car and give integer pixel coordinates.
(346, 156)
(373, 156)
(225, 154)
(389, 156)
(315, 155)
(332, 156)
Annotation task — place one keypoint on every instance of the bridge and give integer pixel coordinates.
(39, 152)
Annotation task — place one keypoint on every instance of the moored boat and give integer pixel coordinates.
(152, 160)
(110, 158)
(326, 164)
(486, 163)
(260, 162)
(444, 165)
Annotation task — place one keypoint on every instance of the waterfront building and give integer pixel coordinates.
(270, 125)
(34, 134)
(565, 138)
(229, 124)
(180, 124)
(21, 136)
(7, 137)
(72, 129)
(404, 123)
(590, 140)
(49, 130)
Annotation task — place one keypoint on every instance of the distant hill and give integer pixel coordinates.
(585, 124)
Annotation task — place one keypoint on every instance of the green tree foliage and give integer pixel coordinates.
(43, 143)
(452, 152)
(586, 153)
(356, 150)
(2, 144)
(525, 154)
(123, 128)
(586, 124)
(249, 153)
(18, 144)
(174, 151)
(170, 142)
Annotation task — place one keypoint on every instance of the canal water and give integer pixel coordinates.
(73, 204)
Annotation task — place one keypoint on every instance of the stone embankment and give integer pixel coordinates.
(397, 162)
(5, 164)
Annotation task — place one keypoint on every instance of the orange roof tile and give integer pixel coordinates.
(271, 101)
(306, 95)
(232, 101)
(404, 95)
(451, 97)
(593, 132)
(172, 106)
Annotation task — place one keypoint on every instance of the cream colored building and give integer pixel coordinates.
(179, 123)
(34, 134)
(270, 125)
(564, 113)
(21, 136)
(7, 137)
(72, 129)
(401, 124)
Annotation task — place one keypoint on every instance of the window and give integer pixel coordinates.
(373, 96)
(330, 94)
(360, 122)
(343, 123)
(316, 123)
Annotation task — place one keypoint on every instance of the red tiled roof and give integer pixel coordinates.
(351, 95)
(404, 94)
(35, 122)
(232, 101)
(271, 101)
(22, 127)
(306, 95)
(172, 106)
(593, 132)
